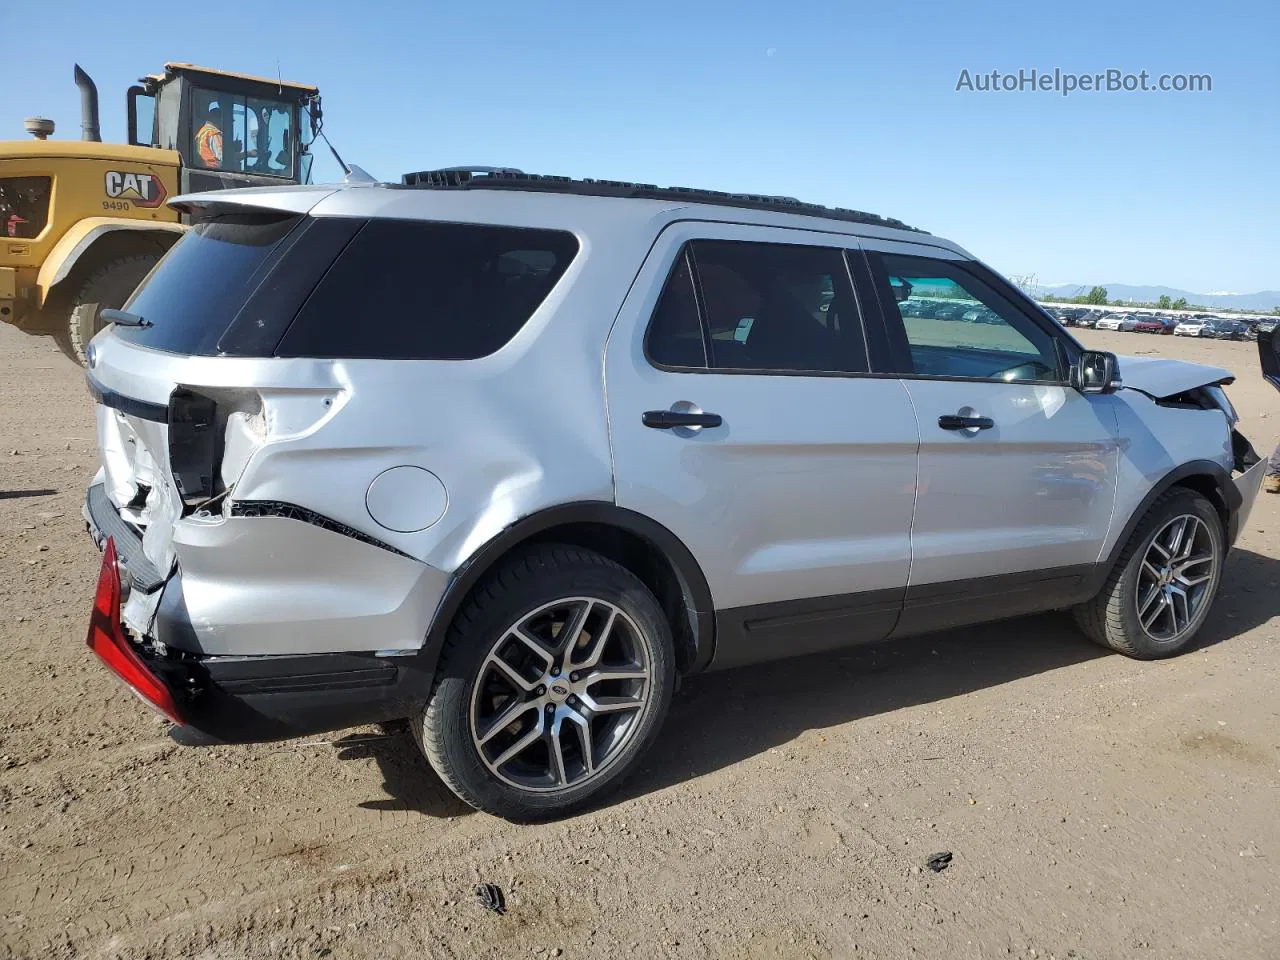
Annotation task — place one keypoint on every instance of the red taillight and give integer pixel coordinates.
(106, 638)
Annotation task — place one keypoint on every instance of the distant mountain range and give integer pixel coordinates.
(1263, 302)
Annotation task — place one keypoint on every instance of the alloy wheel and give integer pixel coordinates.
(560, 694)
(1176, 577)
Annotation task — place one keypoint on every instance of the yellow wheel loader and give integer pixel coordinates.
(82, 221)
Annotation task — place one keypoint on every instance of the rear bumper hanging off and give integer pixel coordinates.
(232, 698)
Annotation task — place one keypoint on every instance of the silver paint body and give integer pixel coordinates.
(813, 486)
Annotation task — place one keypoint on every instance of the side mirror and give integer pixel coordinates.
(136, 134)
(1096, 372)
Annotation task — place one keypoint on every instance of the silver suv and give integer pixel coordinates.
(507, 455)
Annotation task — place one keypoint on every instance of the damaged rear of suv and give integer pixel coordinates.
(506, 455)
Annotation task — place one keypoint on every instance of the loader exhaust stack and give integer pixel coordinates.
(88, 106)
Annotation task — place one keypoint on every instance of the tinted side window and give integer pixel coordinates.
(674, 338)
(421, 290)
(958, 326)
(779, 307)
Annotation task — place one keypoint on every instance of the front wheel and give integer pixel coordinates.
(1158, 595)
(555, 678)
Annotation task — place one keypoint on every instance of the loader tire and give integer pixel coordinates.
(108, 287)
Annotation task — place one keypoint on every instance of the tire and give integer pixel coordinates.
(623, 628)
(107, 288)
(1112, 618)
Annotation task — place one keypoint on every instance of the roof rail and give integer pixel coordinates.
(453, 176)
(506, 178)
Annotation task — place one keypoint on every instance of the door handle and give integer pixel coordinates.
(953, 421)
(666, 419)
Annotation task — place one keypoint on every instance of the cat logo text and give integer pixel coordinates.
(136, 189)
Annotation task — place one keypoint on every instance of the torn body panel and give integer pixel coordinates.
(1159, 378)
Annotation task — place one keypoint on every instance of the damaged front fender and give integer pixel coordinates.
(1162, 379)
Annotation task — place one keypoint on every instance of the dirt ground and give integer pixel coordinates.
(1096, 807)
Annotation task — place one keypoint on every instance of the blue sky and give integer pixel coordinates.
(841, 103)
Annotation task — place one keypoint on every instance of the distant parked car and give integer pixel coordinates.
(1087, 319)
(948, 311)
(1189, 328)
(1154, 325)
(1062, 316)
(1224, 330)
(1117, 321)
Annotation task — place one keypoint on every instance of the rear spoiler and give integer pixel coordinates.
(295, 200)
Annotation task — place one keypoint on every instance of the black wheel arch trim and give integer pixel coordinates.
(692, 581)
(1226, 489)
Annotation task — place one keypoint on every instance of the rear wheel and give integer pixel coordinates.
(107, 288)
(555, 678)
(1159, 594)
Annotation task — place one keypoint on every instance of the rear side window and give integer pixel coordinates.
(422, 290)
(765, 308)
(779, 307)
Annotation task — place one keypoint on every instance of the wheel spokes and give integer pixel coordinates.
(1188, 582)
(1179, 609)
(521, 745)
(1178, 537)
(583, 726)
(617, 674)
(1171, 595)
(568, 634)
(598, 643)
(534, 647)
(1144, 606)
(505, 719)
(556, 748)
(1156, 610)
(510, 672)
(613, 704)
(1187, 540)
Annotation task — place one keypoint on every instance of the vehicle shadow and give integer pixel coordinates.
(1249, 597)
(408, 779)
(722, 718)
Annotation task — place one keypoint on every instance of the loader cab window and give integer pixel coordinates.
(240, 134)
(168, 110)
(209, 118)
(263, 132)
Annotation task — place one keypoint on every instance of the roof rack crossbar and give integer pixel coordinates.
(506, 178)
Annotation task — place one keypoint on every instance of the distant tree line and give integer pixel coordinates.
(1097, 297)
